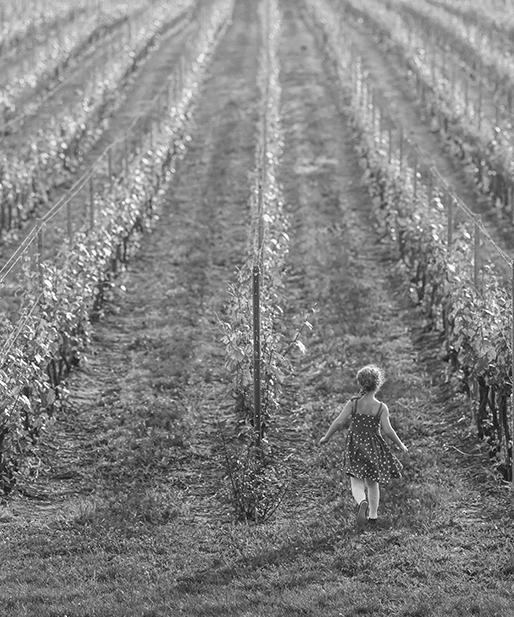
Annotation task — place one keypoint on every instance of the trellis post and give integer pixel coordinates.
(476, 252)
(257, 353)
(400, 156)
(91, 202)
(69, 223)
(390, 139)
(40, 248)
(512, 381)
(479, 110)
(450, 223)
(415, 177)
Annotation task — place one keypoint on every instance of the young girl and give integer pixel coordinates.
(368, 460)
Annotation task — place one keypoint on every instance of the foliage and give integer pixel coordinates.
(59, 297)
(256, 487)
(485, 148)
(61, 144)
(475, 322)
(268, 245)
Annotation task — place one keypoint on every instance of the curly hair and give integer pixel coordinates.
(370, 378)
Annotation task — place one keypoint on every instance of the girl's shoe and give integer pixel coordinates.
(372, 522)
(362, 513)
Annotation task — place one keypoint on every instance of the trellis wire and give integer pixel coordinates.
(34, 236)
(361, 85)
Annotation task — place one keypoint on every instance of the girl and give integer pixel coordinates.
(368, 460)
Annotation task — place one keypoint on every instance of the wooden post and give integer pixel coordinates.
(69, 223)
(390, 133)
(109, 164)
(257, 354)
(512, 381)
(373, 116)
(126, 157)
(40, 248)
(401, 149)
(169, 94)
(449, 240)
(430, 188)
(511, 200)
(466, 94)
(479, 110)
(415, 177)
(91, 203)
(476, 252)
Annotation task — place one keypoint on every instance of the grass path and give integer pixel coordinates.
(146, 532)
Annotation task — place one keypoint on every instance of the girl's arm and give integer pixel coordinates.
(389, 431)
(338, 423)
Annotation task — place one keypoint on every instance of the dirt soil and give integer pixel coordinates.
(143, 410)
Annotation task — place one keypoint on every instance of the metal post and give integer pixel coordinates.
(257, 354)
(126, 157)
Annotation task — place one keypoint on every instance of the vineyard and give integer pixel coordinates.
(213, 213)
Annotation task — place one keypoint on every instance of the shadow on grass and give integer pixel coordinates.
(304, 548)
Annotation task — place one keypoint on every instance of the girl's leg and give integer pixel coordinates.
(358, 489)
(373, 497)
(359, 494)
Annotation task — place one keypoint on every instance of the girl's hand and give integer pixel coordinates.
(404, 448)
(323, 440)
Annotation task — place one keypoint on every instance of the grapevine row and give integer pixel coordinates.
(58, 147)
(462, 124)
(32, 73)
(60, 295)
(476, 323)
(254, 333)
(268, 240)
(486, 62)
(20, 29)
(486, 16)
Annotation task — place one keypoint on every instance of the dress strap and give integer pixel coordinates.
(380, 409)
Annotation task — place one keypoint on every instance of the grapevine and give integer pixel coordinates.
(58, 296)
(476, 323)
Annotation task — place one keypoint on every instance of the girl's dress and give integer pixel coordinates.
(367, 454)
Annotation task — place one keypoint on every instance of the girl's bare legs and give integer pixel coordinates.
(358, 489)
(359, 494)
(373, 497)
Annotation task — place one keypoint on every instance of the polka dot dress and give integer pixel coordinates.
(367, 454)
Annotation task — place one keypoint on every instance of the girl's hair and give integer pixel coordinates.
(370, 378)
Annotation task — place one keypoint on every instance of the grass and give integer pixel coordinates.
(144, 540)
(143, 554)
